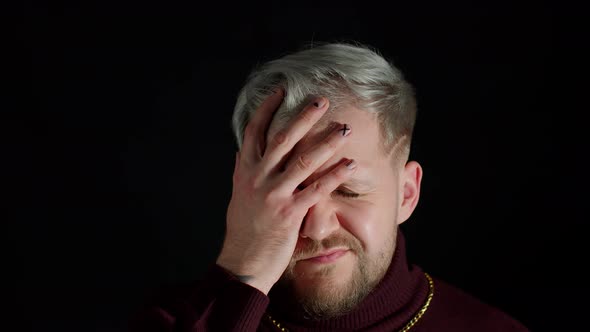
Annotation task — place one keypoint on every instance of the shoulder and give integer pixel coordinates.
(216, 300)
(162, 307)
(452, 309)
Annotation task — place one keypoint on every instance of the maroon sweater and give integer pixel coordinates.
(220, 302)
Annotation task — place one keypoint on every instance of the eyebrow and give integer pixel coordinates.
(357, 183)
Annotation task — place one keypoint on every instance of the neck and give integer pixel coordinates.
(397, 296)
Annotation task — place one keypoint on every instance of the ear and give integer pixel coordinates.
(411, 177)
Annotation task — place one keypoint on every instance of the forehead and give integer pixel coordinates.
(363, 145)
(364, 141)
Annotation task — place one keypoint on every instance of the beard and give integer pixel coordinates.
(328, 294)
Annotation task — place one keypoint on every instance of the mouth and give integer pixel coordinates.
(327, 256)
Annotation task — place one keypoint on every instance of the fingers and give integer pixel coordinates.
(325, 185)
(305, 164)
(254, 141)
(284, 140)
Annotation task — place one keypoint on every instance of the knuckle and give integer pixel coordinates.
(274, 194)
(286, 212)
(306, 117)
(249, 130)
(257, 181)
(280, 138)
(319, 187)
(249, 186)
(303, 162)
(249, 182)
(269, 198)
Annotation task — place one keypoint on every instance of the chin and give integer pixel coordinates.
(323, 281)
(330, 290)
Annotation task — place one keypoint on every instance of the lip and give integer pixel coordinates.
(327, 257)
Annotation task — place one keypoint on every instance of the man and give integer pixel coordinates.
(320, 185)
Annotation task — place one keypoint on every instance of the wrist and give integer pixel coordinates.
(250, 280)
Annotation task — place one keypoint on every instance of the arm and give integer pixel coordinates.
(220, 302)
(264, 217)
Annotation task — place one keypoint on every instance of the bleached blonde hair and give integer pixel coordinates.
(345, 73)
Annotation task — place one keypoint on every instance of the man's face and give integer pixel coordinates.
(360, 229)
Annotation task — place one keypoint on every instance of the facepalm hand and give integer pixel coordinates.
(266, 209)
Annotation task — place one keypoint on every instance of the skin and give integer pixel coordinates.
(288, 205)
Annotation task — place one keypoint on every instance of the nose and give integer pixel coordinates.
(320, 221)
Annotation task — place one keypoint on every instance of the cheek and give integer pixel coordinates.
(369, 223)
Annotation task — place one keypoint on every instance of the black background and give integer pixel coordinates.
(120, 157)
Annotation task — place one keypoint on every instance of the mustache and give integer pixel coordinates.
(308, 247)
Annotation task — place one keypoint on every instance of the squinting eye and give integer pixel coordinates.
(346, 194)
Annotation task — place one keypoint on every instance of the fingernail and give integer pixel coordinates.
(319, 102)
(351, 164)
(344, 130)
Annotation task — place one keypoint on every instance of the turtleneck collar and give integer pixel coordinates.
(394, 301)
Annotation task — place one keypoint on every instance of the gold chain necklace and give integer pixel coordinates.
(408, 326)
